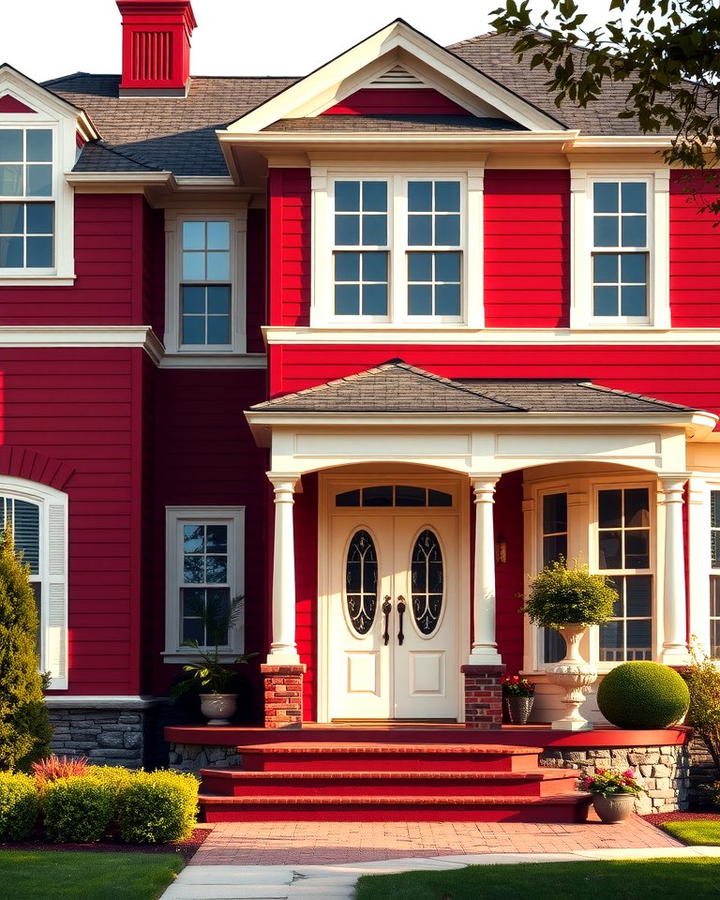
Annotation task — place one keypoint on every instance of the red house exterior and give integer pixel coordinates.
(367, 348)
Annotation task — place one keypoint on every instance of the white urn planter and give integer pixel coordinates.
(218, 708)
(575, 676)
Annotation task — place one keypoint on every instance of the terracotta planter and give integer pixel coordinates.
(614, 808)
(518, 709)
(575, 676)
(218, 707)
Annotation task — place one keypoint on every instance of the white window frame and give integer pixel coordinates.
(700, 487)
(322, 312)
(658, 248)
(175, 518)
(52, 572)
(52, 114)
(174, 219)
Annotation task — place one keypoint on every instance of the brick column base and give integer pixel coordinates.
(483, 696)
(283, 695)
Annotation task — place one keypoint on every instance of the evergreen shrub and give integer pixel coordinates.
(78, 809)
(156, 807)
(643, 695)
(19, 806)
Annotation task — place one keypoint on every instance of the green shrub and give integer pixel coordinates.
(562, 596)
(703, 681)
(25, 730)
(78, 809)
(156, 807)
(643, 695)
(19, 806)
(114, 776)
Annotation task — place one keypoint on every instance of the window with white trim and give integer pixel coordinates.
(554, 524)
(204, 574)
(205, 303)
(624, 552)
(715, 574)
(398, 248)
(38, 518)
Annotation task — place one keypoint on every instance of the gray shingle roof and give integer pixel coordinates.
(399, 387)
(396, 123)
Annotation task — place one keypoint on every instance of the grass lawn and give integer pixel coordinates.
(701, 831)
(614, 879)
(68, 875)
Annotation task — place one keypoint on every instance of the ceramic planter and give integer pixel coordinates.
(218, 708)
(575, 676)
(613, 808)
(518, 709)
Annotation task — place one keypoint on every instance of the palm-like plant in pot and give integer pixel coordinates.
(215, 681)
(570, 600)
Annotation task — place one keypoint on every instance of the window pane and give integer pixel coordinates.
(610, 509)
(715, 537)
(633, 268)
(348, 498)
(618, 585)
(374, 231)
(637, 549)
(374, 299)
(420, 300)
(347, 300)
(420, 267)
(194, 569)
(407, 495)
(374, 266)
(638, 595)
(639, 639)
(39, 145)
(554, 647)
(11, 145)
(447, 267)
(447, 231)
(554, 548)
(439, 498)
(218, 266)
(39, 252)
(11, 253)
(634, 231)
(39, 181)
(217, 538)
(554, 513)
(611, 641)
(610, 549)
(420, 231)
(218, 330)
(347, 231)
(606, 268)
(447, 300)
(605, 197)
(637, 508)
(715, 596)
(39, 218)
(634, 300)
(218, 235)
(218, 608)
(193, 299)
(11, 217)
(347, 267)
(605, 301)
(447, 196)
(606, 231)
(26, 528)
(347, 196)
(378, 496)
(218, 299)
(419, 196)
(634, 197)
(216, 569)
(193, 266)
(193, 330)
(193, 631)
(11, 181)
(374, 196)
(193, 538)
(193, 235)
(715, 509)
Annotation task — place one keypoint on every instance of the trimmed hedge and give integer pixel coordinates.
(643, 695)
(19, 806)
(115, 777)
(78, 809)
(156, 807)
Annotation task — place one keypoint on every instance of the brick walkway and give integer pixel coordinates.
(319, 843)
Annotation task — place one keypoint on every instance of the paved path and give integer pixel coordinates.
(222, 882)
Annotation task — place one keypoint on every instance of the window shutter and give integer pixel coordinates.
(56, 630)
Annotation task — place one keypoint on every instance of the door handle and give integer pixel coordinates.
(387, 609)
(401, 607)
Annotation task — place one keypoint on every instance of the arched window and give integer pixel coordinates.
(427, 580)
(361, 583)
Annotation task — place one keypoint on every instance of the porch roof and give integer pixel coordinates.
(399, 387)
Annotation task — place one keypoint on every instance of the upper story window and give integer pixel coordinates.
(620, 250)
(205, 302)
(27, 200)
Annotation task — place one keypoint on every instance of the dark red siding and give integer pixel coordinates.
(386, 101)
(509, 575)
(527, 248)
(306, 587)
(256, 280)
(289, 246)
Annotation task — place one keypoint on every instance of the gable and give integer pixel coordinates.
(403, 101)
(10, 104)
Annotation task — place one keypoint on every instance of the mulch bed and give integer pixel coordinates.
(660, 818)
(186, 848)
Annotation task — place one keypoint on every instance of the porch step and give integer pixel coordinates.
(293, 756)
(448, 785)
(571, 807)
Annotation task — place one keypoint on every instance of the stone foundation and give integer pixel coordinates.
(283, 689)
(665, 771)
(483, 696)
(106, 737)
(193, 757)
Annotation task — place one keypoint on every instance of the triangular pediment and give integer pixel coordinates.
(21, 96)
(11, 104)
(397, 58)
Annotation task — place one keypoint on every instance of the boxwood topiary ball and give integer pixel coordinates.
(643, 695)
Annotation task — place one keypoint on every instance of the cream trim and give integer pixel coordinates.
(213, 360)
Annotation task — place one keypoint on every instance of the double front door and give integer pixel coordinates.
(393, 615)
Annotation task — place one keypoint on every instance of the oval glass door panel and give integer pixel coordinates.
(361, 571)
(427, 580)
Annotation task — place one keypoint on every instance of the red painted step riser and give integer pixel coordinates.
(367, 787)
(361, 762)
(553, 815)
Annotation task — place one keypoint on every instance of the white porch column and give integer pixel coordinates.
(675, 649)
(484, 647)
(283, 649)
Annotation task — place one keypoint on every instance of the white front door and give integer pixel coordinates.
(393, 604)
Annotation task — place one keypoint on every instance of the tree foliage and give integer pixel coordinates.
(666, 52)
(703, 680)
(24, 727)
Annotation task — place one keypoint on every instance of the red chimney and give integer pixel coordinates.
(156, 46)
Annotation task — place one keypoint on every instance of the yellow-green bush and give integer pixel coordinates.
(115, 776)
(156, 807)
(78, 809)
(19, 806)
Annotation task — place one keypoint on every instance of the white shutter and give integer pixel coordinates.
(55, 629)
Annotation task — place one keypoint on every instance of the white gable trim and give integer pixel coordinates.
(46, 104)
(328, 83)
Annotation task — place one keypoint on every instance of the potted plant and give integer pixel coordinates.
(613, 793)
(570, 600)
(217, 682)
(518, 695)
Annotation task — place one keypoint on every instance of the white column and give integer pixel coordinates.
(675, 650)
(484, 647)
(283, 649)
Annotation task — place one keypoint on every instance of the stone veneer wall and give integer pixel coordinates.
(665, 770)
(193, 757)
